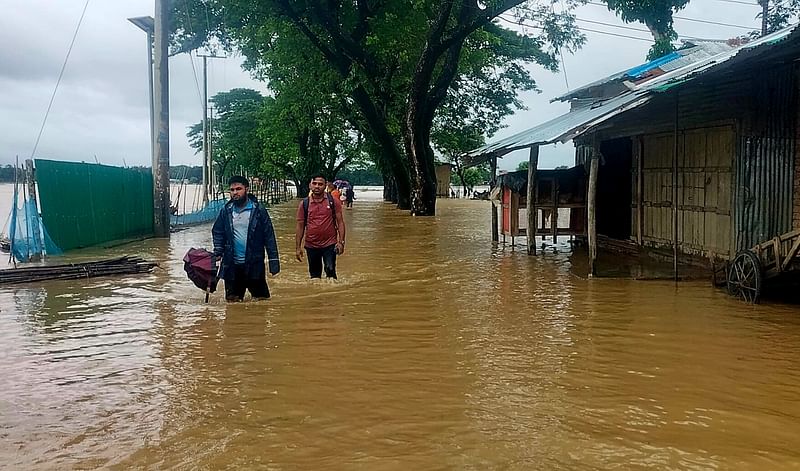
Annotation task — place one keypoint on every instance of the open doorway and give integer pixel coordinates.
(614, 189)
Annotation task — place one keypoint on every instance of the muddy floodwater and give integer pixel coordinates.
(433, 351)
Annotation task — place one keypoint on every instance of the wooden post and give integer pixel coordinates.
(675, 194)
(492, 185)
(639, 143)
(533, 162)
(161, 170)
(591, 200)
(554, 216)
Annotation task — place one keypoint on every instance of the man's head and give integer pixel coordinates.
(317, 185)
(238, 188)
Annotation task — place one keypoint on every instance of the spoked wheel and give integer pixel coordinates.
(744, 277)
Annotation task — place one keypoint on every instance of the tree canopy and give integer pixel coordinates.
(656, 15)
(389, 65)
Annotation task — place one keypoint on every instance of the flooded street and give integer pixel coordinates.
(433, 351)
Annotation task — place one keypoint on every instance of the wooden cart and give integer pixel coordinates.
(748, 271)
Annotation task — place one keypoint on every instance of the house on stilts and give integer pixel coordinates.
(694, 153)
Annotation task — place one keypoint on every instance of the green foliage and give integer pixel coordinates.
(656, 15)
(368, 175)
(523, 166)
(780, 15)
(7, 174)
(383, 67)
(235, 141)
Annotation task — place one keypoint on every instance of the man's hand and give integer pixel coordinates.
(339, 248)
(298, 254)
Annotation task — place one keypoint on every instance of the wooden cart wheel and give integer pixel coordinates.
(745, 276)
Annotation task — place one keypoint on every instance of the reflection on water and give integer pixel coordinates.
(433, 351)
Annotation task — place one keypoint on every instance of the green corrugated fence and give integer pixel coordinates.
(88, 204)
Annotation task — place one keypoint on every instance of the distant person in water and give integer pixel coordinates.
(320, 229)
(350, 196)
(242, 233)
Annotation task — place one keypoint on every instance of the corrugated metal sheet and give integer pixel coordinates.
(765, 169)
(581, 119)
(764, 193)
(563, 128)
(691, 52)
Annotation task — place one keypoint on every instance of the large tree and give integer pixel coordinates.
(656, 15)
(395, 61)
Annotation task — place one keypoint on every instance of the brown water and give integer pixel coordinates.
(434, 351)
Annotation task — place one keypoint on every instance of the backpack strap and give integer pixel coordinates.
(305, 211)
(333, 211)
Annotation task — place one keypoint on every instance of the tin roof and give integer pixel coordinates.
(673, 71)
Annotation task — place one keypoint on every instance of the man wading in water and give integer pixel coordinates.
(319, 219)
(241, 233)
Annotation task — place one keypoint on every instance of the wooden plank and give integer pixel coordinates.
(776, 247)
(791, 254)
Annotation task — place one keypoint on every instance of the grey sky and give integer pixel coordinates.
(101, 106)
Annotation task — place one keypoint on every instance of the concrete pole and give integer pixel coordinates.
(211, 176)
(161, 112)
(206, 160)
(533, 162)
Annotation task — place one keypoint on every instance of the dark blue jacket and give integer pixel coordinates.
(260, 236)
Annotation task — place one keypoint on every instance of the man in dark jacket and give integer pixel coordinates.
(242, 232)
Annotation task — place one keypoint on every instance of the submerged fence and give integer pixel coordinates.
(88, 204)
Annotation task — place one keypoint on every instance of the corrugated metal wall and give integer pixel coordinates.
(764, 190)
(88, 204)
(765, 168)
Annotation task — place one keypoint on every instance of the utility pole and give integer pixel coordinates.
(161, 112)
(208, 182)
(764, 16)
(211, 178)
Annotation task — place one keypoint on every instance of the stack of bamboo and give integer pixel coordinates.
(117, 266)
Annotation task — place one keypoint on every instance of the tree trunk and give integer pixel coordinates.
(423, 168)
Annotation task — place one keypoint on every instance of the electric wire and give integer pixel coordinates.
(60, 76)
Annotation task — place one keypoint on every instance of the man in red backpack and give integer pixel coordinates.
(320, 223)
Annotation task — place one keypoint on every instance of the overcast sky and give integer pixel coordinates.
(100, 110)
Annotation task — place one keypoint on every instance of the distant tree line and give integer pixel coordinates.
(7, 174)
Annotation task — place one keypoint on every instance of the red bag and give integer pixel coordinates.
(201, 267)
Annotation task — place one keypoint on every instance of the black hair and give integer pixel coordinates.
(238, 179)
(318, 175)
